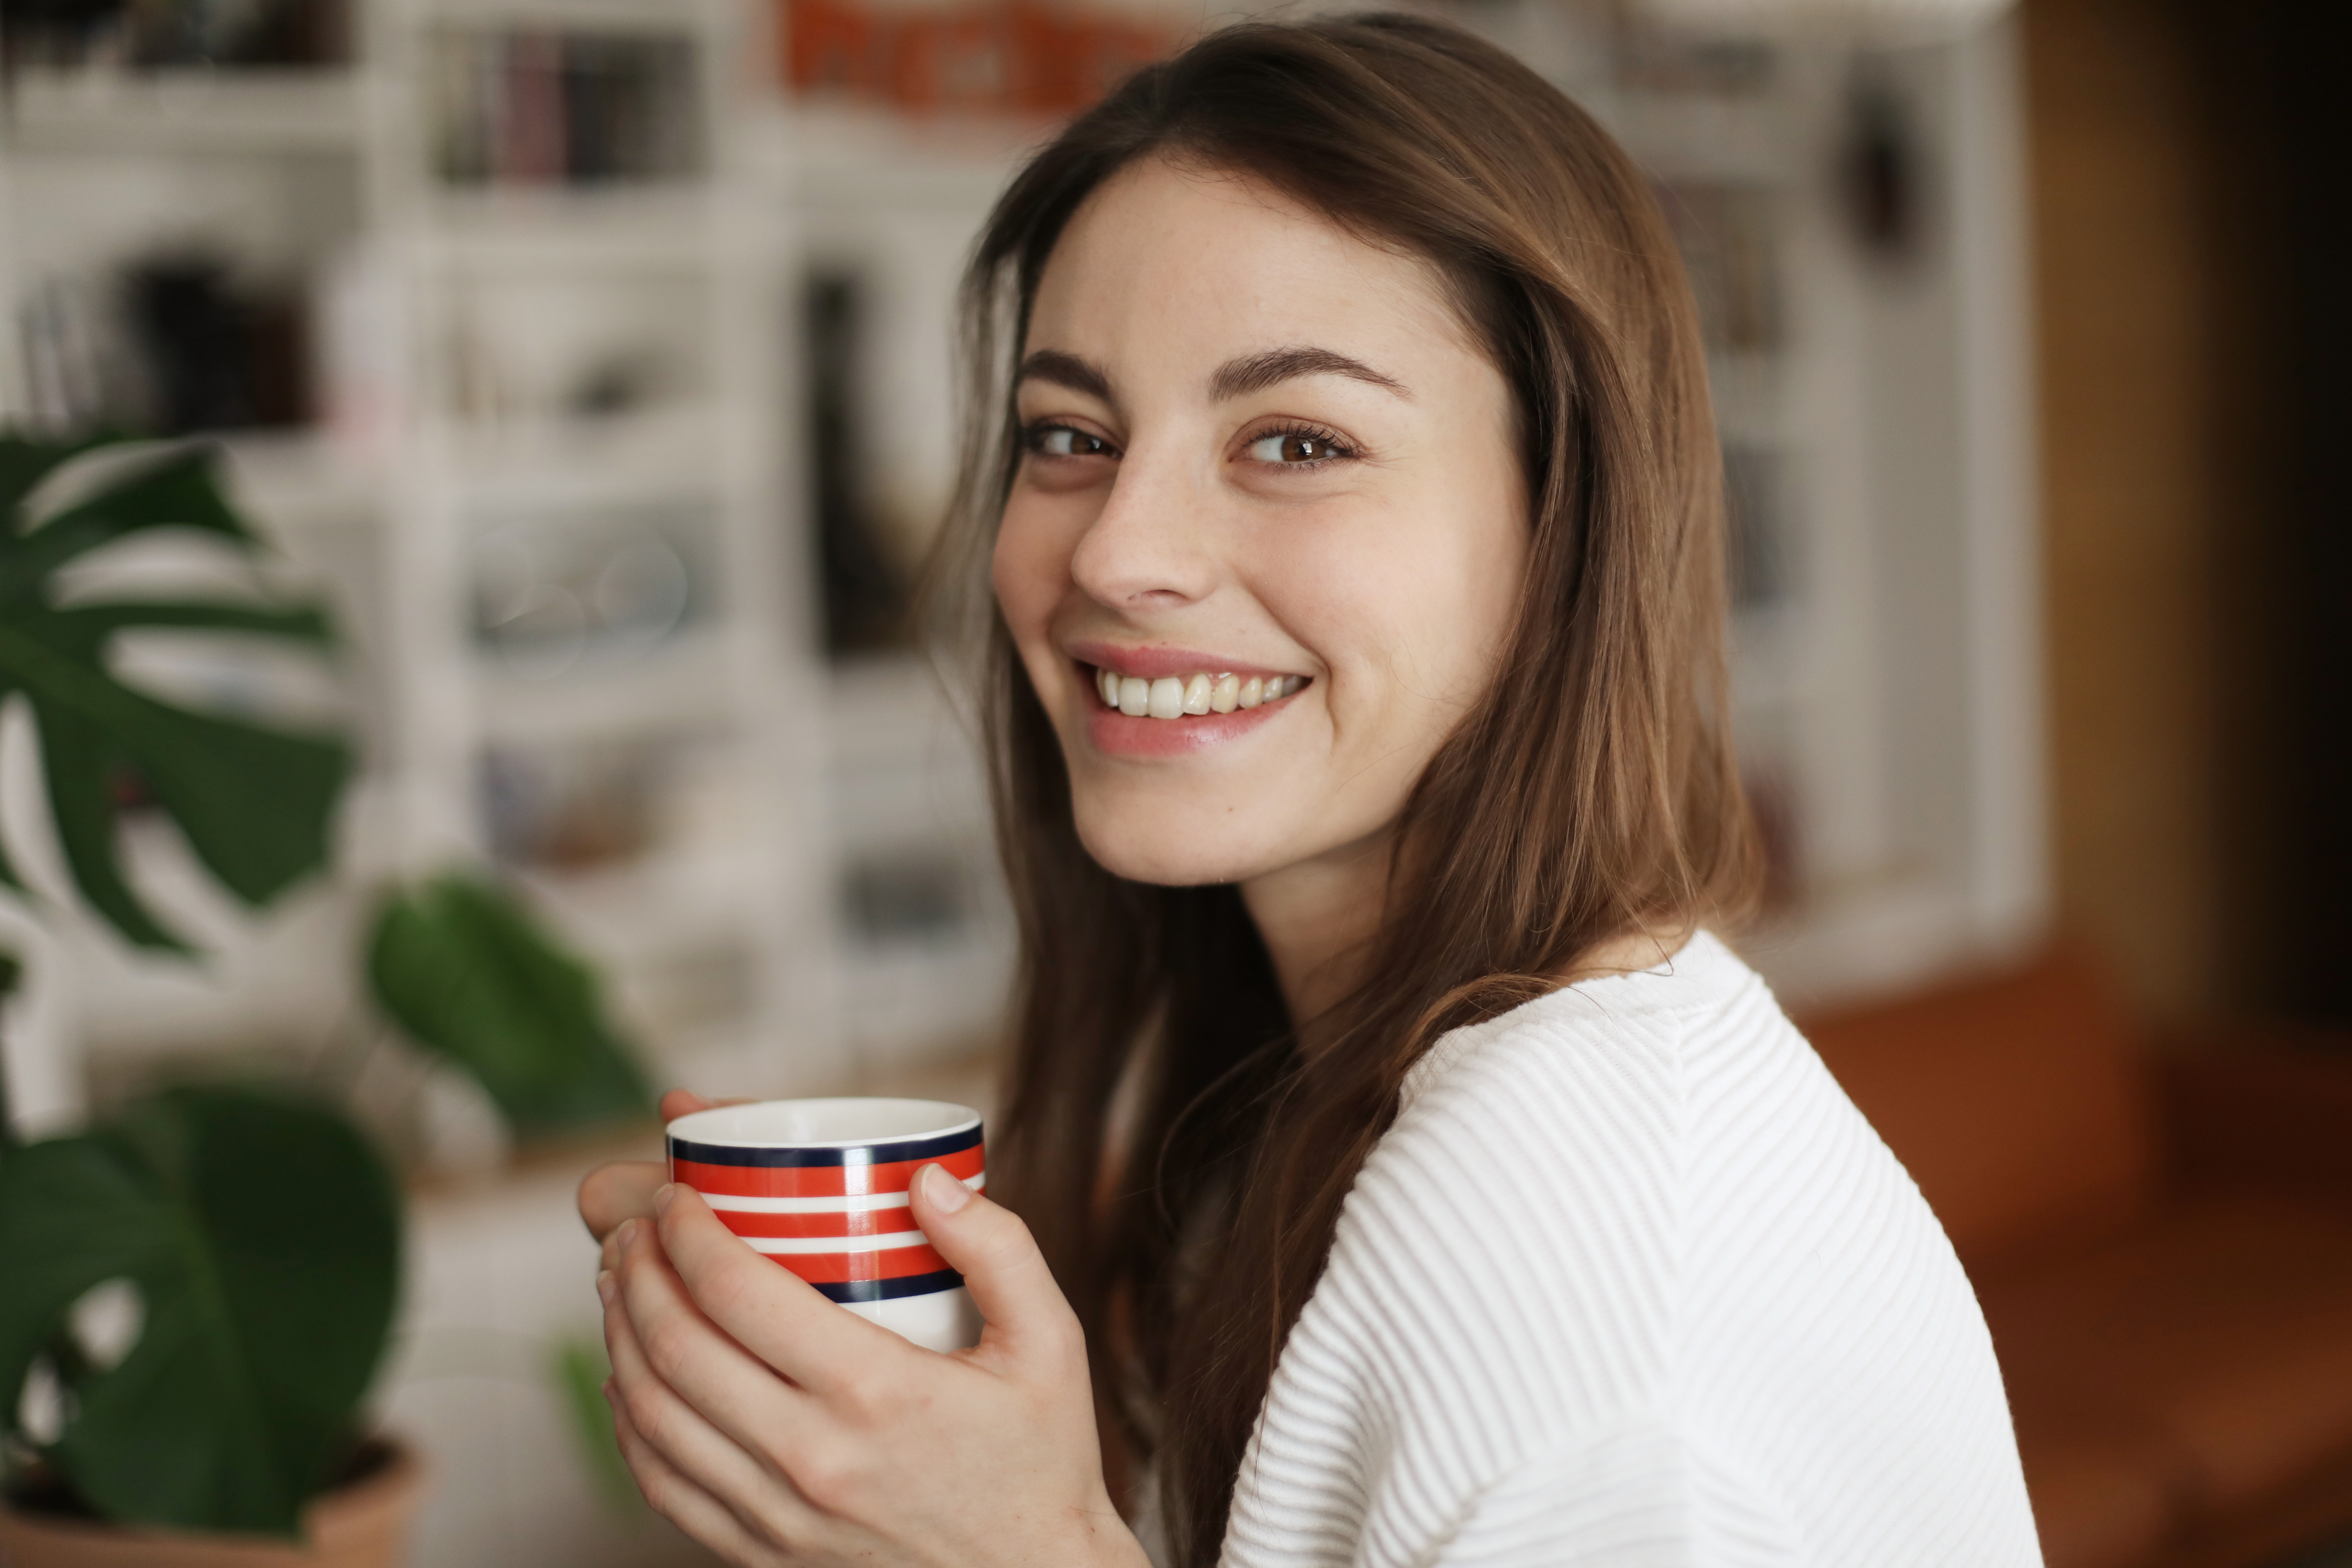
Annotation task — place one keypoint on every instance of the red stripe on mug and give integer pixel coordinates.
(817, 1181)
(833, 1267)
(865, 1222)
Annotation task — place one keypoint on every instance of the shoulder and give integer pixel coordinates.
(1529, 1204)
(1607, 1071)
(1634, 1217)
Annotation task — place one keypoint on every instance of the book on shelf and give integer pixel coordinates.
(541, 107)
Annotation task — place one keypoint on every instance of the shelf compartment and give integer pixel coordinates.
(294, 110)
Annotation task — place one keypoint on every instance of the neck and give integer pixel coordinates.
(1316, 919)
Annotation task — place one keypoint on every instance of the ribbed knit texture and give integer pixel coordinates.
(1631, 1281)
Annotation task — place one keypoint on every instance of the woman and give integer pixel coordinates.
(1411, 1177)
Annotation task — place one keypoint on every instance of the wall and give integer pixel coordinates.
(2137, 493)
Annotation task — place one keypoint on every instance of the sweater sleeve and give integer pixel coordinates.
(1641, 1496)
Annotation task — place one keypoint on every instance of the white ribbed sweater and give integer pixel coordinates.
(1631, 1281)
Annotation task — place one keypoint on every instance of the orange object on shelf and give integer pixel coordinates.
(998, 57)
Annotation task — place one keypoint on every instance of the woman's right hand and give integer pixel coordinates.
(625, 1189)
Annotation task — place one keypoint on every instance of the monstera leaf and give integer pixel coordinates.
(253, 803)
(467, 973)
(262, 1236)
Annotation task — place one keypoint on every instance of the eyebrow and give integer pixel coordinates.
(1066, 370)
(1256, 373)
(1235, 378)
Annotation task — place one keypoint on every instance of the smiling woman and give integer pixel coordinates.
(1411, 1173)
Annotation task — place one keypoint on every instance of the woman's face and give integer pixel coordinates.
(1268, 530)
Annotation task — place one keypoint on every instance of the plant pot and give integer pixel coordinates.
(362, 1524)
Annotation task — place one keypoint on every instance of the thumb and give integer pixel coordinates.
(987, 1244)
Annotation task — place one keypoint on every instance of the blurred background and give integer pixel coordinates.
(591, 358)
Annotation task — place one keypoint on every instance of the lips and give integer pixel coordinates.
(1178, 696)
(1167, 702)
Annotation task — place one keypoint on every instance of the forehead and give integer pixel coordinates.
(1190, 267)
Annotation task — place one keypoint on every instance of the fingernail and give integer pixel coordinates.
(627, 1235)
(661, 1198)
(605, 1286)
(944, 1192)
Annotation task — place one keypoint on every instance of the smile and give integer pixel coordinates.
(1186, 696)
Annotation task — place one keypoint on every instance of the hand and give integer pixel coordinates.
(775, 1427)
(625, 1189)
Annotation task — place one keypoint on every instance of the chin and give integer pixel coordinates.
(1181, 859)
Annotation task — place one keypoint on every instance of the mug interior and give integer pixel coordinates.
(842, 1123)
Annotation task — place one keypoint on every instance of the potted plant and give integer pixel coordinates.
(199, 1291)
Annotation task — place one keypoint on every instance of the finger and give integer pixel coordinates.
(985, 1242)
(697, 1359)
(670, 1494)
(678, 1103)
(622, 1190)
(713, 1459)
(770, 1311)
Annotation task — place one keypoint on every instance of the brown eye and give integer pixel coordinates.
(1061, 441)
(1293, 446)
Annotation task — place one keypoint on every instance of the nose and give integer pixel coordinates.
(1147, 548)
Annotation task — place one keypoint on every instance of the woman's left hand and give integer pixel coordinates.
(774, 1427)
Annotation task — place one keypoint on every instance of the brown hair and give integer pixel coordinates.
(1591, 795)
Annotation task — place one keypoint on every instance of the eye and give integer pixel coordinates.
(1297, 449)
(1063, 441)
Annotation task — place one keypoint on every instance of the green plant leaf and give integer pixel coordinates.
(254, 802)
(263, 1236)
(466, 972)
(580, 1367)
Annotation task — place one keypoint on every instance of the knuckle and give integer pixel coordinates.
(726, 1287)
(865, 1399)
(661, 1495)
(1064, 1341)
(667, 1341)
(775, 1529)
(825, 1480)
(647, 1419)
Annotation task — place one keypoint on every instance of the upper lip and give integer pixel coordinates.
(1155, 662)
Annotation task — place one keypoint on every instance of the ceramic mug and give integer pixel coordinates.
(820, 1187)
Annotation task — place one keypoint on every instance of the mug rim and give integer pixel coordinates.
(922, 1122)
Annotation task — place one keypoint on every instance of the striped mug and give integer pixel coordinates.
(819, 1186)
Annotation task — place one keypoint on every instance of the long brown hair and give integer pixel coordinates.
(1591, 795)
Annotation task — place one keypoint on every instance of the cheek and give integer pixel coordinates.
(1030, 570)
(1414, 626)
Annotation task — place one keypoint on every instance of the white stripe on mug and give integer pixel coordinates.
(862, 1203)
(773, 1245)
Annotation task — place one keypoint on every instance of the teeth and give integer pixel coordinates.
(1173, 697)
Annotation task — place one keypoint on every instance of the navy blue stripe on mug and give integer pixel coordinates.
(864, 1154)
(889, 1289)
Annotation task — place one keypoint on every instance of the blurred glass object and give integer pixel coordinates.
(552, 595)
